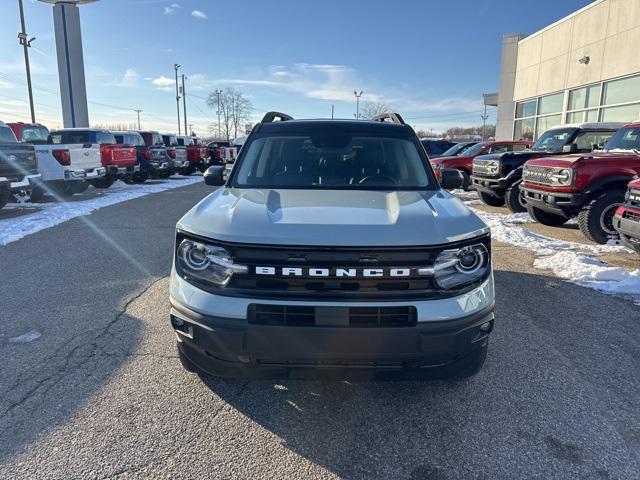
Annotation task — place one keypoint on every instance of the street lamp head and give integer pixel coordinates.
(77, 2)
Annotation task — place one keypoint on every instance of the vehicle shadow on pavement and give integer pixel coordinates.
(557, 398)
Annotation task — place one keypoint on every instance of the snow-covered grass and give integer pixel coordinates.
(571, 261)
(47, 215)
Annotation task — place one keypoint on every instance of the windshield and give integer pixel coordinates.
(554, 140)
(333, 160)
(625, 139)
(72, 137)
(6, 135)
(457, 149)
(34, 134)
(474, 150)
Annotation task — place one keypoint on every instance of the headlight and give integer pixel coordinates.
(208, 264)
(457, 267)
(563, 176)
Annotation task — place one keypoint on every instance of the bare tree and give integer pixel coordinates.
(117, 127)
(235, 111)
(373, 109)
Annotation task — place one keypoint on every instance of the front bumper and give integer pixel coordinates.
(561, 203)
(492, 186)
(28, 182)
(214, 332)
(629, 229)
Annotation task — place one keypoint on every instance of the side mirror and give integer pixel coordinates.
(451, 179)
(214, 176)
(572, 148)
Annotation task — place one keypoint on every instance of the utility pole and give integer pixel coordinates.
(22, 38)
(358, 95)
(191, 128)
(184, 105)
(484, 122)
(332, 111)
(218, 93)
(176, 67)
(139, 112)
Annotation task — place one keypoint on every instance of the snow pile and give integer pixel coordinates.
(47, 215)
(568, 260)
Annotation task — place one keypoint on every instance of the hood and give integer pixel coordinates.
(455, 158)
(332, 217)
(575, 158)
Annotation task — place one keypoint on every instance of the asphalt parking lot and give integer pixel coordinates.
(91, 387)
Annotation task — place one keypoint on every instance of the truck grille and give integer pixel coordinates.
(15, 166)
(537, 174)
(362, 317)
(481, 167)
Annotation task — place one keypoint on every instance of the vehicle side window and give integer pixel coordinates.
(588, 141)
(517, 147)
(120, 139)
(499, 149)
(157, 139)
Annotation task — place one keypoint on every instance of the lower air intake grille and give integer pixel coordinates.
(294, 316)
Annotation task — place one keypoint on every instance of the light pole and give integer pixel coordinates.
(139, 112)
(176, 67)
(25, 41)
(358, 95)
(184, 105)
(218, 93)
(484, 122)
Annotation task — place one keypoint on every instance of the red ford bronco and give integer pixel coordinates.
(589, 186)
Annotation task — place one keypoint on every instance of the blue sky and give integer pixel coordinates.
(431, 60)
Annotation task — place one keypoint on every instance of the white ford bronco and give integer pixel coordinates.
(331, 248)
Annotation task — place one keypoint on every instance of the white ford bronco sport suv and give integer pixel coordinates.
(332, 248)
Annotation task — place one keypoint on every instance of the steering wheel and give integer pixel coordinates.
(378, 178)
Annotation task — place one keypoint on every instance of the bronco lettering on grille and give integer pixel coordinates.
(333, 272)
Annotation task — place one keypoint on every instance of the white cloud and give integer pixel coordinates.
(171, 9)
(162, 81)
(199, 14)
(129, 79)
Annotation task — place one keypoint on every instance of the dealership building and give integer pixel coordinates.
(583, 68)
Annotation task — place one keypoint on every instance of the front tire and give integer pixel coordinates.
(4, 198)
(546, 218)
(596, 218)
(466, 180)
(514, 200)
(491, 200)
(186, 171)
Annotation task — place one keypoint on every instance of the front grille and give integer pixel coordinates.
(537, 174)
(360, 317)
(360, 287)
(481, 167)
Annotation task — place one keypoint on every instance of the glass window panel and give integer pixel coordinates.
(592, 140)
(550, 104)
(584, 97)
(545, 123)
(575, 117)
(621, 91)
(526, 109)
(626, 113)
(591, 115)
(524, 129)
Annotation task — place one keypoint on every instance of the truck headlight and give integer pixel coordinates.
(207, 264)
(461, 266)
(563, 176)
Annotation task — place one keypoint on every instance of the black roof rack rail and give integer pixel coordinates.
(271, 116)
(392, 117)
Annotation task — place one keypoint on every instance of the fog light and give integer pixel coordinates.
(486, 327)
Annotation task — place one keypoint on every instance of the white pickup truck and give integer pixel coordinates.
(66, 169)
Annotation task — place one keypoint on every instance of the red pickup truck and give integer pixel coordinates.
(464, 161)
(196, 154)
(120, 161)
(627, 217)
(588, 186)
